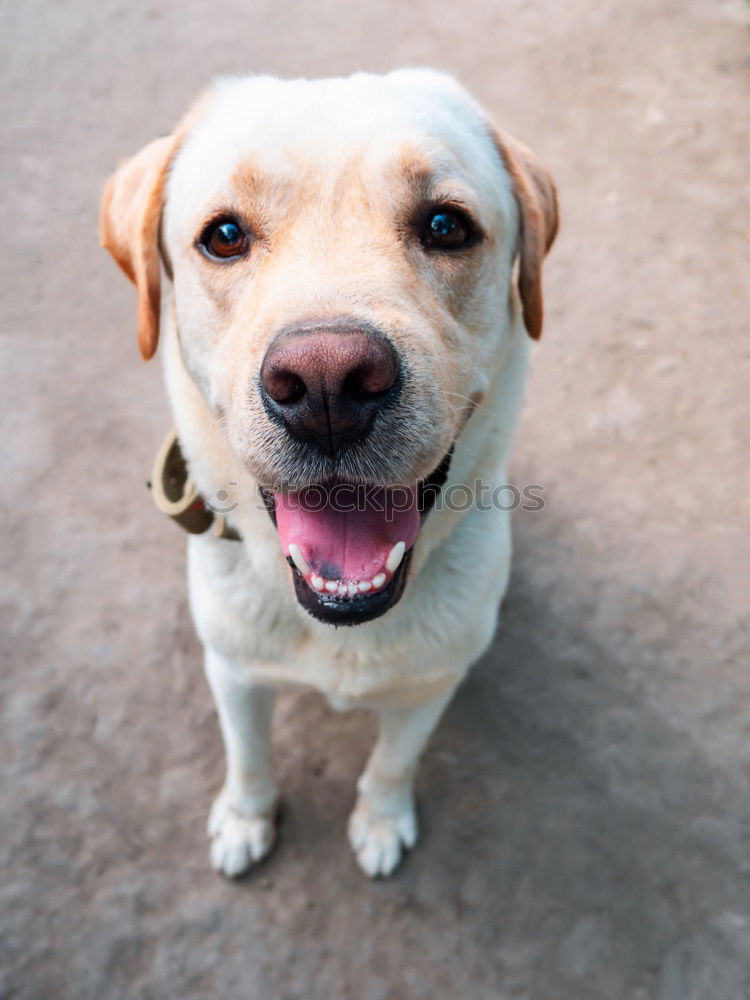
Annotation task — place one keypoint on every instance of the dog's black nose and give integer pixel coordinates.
(326, 383)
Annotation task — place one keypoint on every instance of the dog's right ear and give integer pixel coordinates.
(130, 216)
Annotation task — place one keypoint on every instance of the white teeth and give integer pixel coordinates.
(395, 556)
(298, 559)
(350, 588)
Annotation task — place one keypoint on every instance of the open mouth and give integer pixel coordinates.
(349, 546)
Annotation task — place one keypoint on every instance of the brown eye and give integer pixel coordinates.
(224, 238)
(447, 229)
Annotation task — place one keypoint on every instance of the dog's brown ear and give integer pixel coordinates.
(537, 204)
(130, 215)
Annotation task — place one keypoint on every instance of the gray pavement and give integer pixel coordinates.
(585, 801)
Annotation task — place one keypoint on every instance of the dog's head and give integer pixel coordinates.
(341, 256)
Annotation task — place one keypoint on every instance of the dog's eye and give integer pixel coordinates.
(447, 229)
(224, 238)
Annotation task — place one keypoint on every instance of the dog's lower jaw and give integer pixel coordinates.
(347, 610)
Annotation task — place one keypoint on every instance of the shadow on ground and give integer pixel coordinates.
(585, 800)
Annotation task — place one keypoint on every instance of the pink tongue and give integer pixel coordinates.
(346, 532)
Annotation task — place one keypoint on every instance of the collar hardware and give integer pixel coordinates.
(176, 495)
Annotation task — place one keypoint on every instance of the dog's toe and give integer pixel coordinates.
(378, 839)
(238, 841)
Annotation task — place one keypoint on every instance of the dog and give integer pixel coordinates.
(347, 274)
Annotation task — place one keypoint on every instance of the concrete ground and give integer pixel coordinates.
(585, 801)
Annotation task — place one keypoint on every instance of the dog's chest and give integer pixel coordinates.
(245, 610)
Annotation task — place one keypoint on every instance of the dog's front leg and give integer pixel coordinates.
(384, 820)
(242, 823)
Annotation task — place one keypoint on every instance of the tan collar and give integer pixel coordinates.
(175, 494)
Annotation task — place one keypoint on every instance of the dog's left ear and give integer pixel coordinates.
(537, 204)
(130, 216)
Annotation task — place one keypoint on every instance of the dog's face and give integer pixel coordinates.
(341, 255)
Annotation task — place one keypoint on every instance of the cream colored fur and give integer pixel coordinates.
(330, 161)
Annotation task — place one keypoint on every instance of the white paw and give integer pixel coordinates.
(378, 838)
(238, 841)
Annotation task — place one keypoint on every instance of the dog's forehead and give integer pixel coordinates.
(288, 127)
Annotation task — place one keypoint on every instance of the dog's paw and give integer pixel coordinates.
(238, 841)
(378, 838)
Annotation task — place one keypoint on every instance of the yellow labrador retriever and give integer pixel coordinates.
(333, 266)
